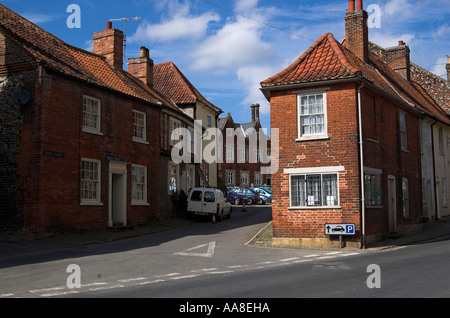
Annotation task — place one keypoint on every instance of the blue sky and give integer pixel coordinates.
(226, 48)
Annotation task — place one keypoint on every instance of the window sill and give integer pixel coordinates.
(91, 203)
(313, 207)
(142, 203)
(374, 206)
(313, 138)
(92, 131)
(140, 140)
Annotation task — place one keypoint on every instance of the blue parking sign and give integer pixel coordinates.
(350, 229)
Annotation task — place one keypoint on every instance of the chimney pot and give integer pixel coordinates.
(108, 25)
(351, 5)
(144, 52)
(359, 5)
(400, 43)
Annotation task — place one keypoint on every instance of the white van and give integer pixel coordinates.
(209, 202)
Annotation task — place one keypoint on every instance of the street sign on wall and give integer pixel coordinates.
(340, 229)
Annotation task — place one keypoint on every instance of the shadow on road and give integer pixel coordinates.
(87, 244)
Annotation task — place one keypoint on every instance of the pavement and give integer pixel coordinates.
(433, 230)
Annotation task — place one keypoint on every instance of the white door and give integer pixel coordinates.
(117, 197)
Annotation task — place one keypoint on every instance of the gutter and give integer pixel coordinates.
(361, 167)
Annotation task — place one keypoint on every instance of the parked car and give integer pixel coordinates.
(257, 199)
(266, 195)
(208, 202)
(238, 198)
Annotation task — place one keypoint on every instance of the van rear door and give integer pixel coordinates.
(195, 204)
(209, 202)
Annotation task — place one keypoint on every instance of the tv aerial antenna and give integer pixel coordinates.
(125, 29)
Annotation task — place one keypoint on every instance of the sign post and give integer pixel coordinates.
(340, 229)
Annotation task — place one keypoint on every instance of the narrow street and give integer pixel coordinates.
(205, 260)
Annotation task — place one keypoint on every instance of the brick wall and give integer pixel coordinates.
(382, 152)
(53, 185)
(339, 150)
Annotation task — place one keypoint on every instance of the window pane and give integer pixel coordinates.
(209, 197)
(313, 190)
(196, 196)
(330, 192)
(298, 195)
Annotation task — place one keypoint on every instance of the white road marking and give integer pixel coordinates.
(106, 287)
(168, 275)
(209, 253)
(131, 279)
(152, 282)
(185, 276)
(60, 293)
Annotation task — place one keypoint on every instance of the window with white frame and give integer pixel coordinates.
(403, 132)
(243, 154)
(257, 178)
(405, 197)
(314, 190)
(229, 177)
(138, 184)
(372, 189)
(173, 124)
(91, 114)
(139, 126)
(312, 117)
(173, 177)
(244, 178)
(90, 180)
(230, 153)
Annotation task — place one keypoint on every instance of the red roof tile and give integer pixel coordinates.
(328, 59)
(323, 60)
(71, 61)
(171, 82)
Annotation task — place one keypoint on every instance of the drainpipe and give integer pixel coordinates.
(361, 167)
(436, 209)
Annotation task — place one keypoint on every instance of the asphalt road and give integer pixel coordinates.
(206, 261)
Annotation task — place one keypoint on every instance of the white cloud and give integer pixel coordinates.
(398, 10)
(251, 77)
(439, 67)
(238, 43)
(180, 25)
(39, 18)
(245, 5)
(385, 40)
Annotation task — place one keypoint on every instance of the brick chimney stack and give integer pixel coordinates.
(447, 66)
(356, 30)
(109, 43)
(142, 67)
(255, 112)
(398, 58)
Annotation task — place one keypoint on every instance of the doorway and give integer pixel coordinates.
(117, 208)
(392, 204)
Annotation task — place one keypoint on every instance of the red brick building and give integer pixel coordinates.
(83, 151)
(241, 166)
(349, 147)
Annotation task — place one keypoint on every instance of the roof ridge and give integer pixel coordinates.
(341, 55)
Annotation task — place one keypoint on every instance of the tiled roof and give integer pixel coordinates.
(71, 61)
(328, 59)
(323, 60)
(171, 82)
